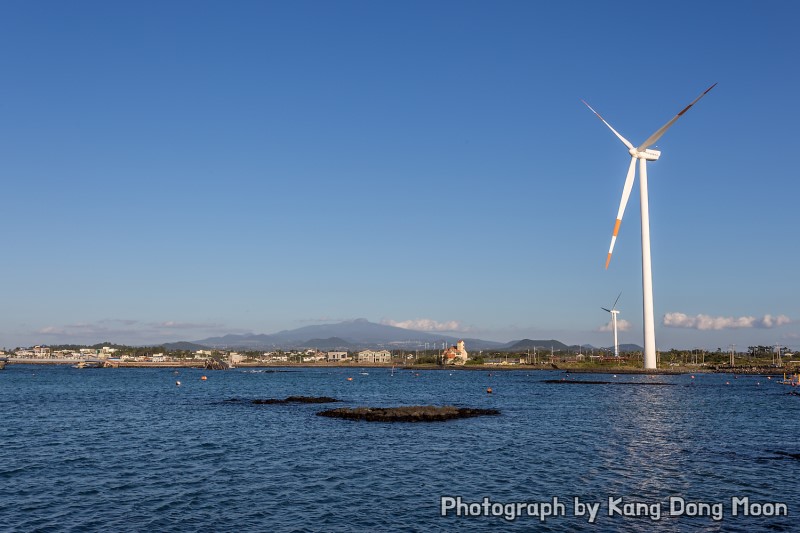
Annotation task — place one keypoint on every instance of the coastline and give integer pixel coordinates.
(569, 368)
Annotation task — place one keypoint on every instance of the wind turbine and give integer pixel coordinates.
(643, 153)
(614, 312)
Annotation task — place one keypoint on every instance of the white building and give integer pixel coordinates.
(276, 357)
(336, 357)
(372, 356)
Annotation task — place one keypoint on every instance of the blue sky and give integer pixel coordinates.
(175, 170)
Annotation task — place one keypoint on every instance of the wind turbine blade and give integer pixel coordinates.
(657, 135)
(615, 301)
(621, 138)
(626, 193)
(606, 310)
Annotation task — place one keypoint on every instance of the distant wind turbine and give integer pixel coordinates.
(614, 312)
(643, 153)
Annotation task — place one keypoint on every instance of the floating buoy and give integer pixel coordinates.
(692, 377)
(203, 378)
(727, 383)
(349, 379)
(489, 390)
(178, 383)
(769, 377)
(615, 375)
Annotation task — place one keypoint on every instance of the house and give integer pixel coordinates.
(456, 355)
(372, 356)
(336, 357)
(41, 351)
(276, 357)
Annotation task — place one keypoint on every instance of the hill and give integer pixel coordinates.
(350, 334)
(528, 344)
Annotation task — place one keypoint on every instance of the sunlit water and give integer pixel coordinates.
(128, 450)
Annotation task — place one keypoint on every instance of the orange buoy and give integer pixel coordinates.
(203, 378)
(349, 379)
(489, 390)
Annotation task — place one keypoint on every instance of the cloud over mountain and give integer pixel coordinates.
(425, 324)
(622, 325)
(706, 322)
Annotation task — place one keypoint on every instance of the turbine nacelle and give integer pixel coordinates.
(647, 155)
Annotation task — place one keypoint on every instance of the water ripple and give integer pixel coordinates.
(127, 450)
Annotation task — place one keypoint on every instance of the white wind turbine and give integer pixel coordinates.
(643, 154)
(614, 312)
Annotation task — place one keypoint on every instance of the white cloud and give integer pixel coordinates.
(706, 322)
(425, 324)
(322, 319)
(170, 324)
(622, 325)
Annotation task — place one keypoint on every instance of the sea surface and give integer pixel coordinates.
(130, 450)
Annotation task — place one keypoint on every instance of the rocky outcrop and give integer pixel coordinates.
(298, 399)
(416, 413)
(216, 364)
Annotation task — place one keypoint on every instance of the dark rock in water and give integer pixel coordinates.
(789, 455)
(298, 399)
(215, 364)
(416, 413)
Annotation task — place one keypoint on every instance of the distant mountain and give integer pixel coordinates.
(628, 348)
(332, 343)
(186, 346)
(361, 334)
(247, 341)
(359, 331)
(353, 334)
(528, 344)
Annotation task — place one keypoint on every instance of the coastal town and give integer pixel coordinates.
(757, 358)
(454, 355)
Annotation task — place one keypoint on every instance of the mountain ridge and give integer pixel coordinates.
(361, 334)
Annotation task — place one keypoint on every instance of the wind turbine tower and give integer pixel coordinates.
(644, 154)
(614, 312)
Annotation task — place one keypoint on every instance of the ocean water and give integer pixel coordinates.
(128, 450)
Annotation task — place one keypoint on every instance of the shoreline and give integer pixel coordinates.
(569, 368)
